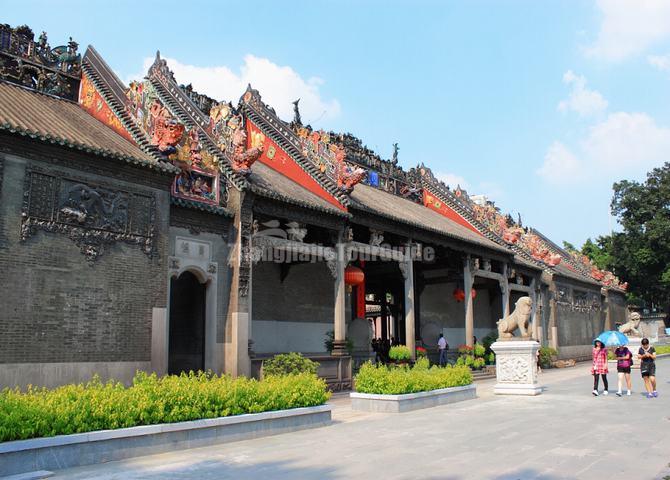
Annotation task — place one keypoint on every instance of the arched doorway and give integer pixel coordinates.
(187, 324)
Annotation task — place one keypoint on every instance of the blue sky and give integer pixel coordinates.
(539, 105)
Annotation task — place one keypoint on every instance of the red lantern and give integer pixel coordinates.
(353, 276)
(459, 294)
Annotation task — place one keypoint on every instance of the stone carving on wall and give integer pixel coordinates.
(513, 369)
(35, 64)
(94, 216)
(519, 318)
(376, 237)
(630, 327)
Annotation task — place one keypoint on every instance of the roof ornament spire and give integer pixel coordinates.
(297, 121)
(394, 159)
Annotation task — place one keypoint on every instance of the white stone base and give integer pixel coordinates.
(516, 367)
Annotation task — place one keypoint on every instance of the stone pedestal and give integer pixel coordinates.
(516, 367)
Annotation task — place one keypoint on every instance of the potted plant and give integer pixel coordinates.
(400, 354)
(421, 352)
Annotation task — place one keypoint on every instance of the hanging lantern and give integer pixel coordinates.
(459, 294)
(353, 276)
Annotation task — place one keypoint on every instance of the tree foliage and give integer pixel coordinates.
(599, 252)
(640, 254)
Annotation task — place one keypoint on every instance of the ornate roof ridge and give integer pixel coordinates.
(281, 133)
(101, 75)
(36, 66)
(182, 107)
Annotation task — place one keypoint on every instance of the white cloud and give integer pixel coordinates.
(627, 142)
(661, 62)
(581, 100)
(452, 180)
(623, 144)
(278, 85)
(560, 165)
(629, 27)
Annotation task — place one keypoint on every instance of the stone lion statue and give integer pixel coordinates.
(630, 327)
(519, 318)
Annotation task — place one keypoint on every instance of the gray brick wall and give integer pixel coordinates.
(59, 307)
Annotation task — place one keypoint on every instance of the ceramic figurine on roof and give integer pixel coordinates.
(223, 122)
(297, 121)
(538, 250)
(166, 132)
(242, 157)
(36, 65)
(347, 176)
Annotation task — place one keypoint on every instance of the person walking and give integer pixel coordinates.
(599, 368)
(442, 348)
(647, 356)
(624, 361)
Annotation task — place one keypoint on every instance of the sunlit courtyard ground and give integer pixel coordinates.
(565, 433)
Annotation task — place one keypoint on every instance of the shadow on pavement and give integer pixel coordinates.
(202, 470)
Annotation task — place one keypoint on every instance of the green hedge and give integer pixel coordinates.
(289, 364)
(660, 349)
(395, 381)
(150, 400)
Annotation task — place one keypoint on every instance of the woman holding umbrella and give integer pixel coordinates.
(599, 368)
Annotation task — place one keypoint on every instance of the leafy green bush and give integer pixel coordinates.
(489, 340)
(395, 381)
(289, 364)
(460, 361)
(660, 349)
(546, 354)
(492, 358)
(469, 360)
(478, 363)
(422, 364)
(39, 412)
(479, 350)
(400, 353)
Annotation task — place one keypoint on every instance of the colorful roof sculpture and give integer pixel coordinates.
(36, 65)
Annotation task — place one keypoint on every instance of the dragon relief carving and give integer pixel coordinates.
(243, 158)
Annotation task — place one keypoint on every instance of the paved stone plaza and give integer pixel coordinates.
(564, 433)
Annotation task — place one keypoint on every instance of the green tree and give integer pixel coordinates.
(640, 254)
(599, 252)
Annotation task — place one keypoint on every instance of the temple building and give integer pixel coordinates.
(149, 227)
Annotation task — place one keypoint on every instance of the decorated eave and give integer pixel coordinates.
(587, 268)
(105, 83)
(34, 64)
(266, 119)
(185, 111)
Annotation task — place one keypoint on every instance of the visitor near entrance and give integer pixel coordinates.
(442, 347)
(647, 355)
(624, 362)
(599, 368)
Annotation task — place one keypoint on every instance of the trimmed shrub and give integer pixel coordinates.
(395, 381)
(289, 364)
(400, 353)
(478, 363)
(479, 350)
(546, 354)
(150, 400)
(660, 349)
